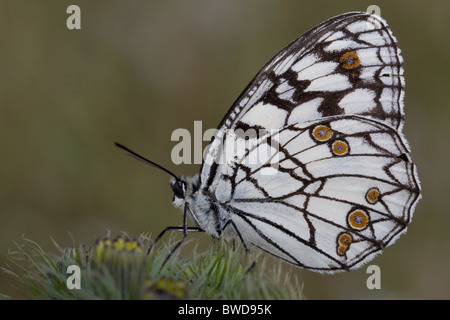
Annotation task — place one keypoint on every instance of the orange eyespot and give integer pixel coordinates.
(342, 250)
(322, 133)
(372, 195)
(358, 219)
(354, 76)
(349, 60)
(345, 239)
(343, 243)
(339, 148)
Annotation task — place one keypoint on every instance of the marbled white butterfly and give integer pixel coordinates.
(329, 108)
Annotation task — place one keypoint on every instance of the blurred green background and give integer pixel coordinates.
(137, 70)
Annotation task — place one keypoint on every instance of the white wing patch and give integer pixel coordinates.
(306, 62)
(372, 38)
(359, 26)
(258, 116)
(334, 82)
(359, 101)
(343, 45)
(305, 111)
(317, 70)
(285, 65)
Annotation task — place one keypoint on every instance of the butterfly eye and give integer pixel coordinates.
(179, 188)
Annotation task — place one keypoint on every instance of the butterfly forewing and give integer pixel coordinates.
(349, 64)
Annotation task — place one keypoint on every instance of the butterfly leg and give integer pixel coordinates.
(231, 222)
(189, 229)
(185, 229)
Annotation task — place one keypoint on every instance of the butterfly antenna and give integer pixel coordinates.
(145, 160)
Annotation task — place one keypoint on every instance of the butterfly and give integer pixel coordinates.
(335, 184)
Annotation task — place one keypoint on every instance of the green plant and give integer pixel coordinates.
(120, 268)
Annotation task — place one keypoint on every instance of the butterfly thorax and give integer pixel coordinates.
(203, 207)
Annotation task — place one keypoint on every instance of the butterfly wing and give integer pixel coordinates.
(321, 73)
(336, 199)
(344, 187)
(349, 64)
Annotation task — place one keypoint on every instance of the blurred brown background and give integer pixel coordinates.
(137, 70)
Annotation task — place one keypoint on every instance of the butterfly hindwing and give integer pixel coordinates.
(351, 196)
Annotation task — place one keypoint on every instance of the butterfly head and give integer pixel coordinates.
(178, 186)
(183, 187)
